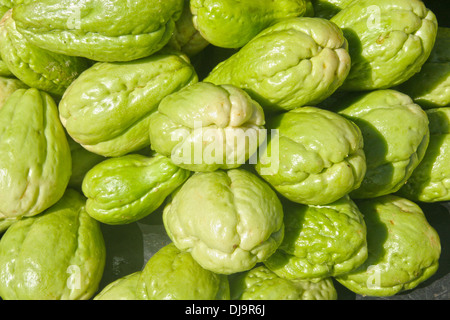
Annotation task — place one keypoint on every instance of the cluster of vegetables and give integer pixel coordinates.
(286, 143)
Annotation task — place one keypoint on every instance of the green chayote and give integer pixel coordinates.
(204, 127)
(396, 135)
(388, 40)
(36, 67)
(228, 220)
(320, 241)
(125, 189)
(121, 289)
(35, 159)
(8, 86)
(4, 71)
(233, 23)
(114, 30)
(185, 37)
(316, 156)
(107, 108)
(260, 283)
(293, 63)
(57, 255)
(430, 88)
(172, 274)
(430, 181)
(404, 249)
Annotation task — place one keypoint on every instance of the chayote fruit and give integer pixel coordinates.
(320, 241)
(293, 63)
(430, 181)
(206, 127)
(36, 67)
(35, 159)
(121, 289)
(114, 30)
(57, 255)
(396, 135)
(107, 108)
(388, 40)
(430, 88)
(328, 8)
(4, 71)
(233, 23)
(228, 220)
(316, 156)
(260, 283)
(172, 274)
(8, 86)
(404, 249)
(125, 189)
(185, 37)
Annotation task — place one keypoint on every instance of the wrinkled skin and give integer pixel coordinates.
(320, 241)
(205, 127)
(315, 158)
(172, 274)
(388, 41)
(58, 255)
(121, 289)
(35, 158)
(260, 283)
(125, 189)
(293, 63)
(36, 67)
(185, 37)
(396, 136)
(404, 249)
(99, 30)
(232, 23)
(228, 220)
(430, 181)
(107, 108)
(430, 88)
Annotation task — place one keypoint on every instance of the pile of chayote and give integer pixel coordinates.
(287, 146)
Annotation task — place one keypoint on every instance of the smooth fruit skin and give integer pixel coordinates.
(57, 255)
(35, 158)
(231, 23)
(112, 30)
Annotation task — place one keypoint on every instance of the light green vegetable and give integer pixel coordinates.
(114, 30)
(430, 181)
(228, 220)
(430, 88)
(107, 108)
(293, 63)
(260, 283)
(205, 127)
(57, 255)
(36, 67)
(396, 136)
(388, 40)
(404, 249)
(172, 274)
(35, 159)
(121, 289)
(8, 86)
(328, 8)
(316, 156)
(320, 241)
(233, 23)
(126, 189)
